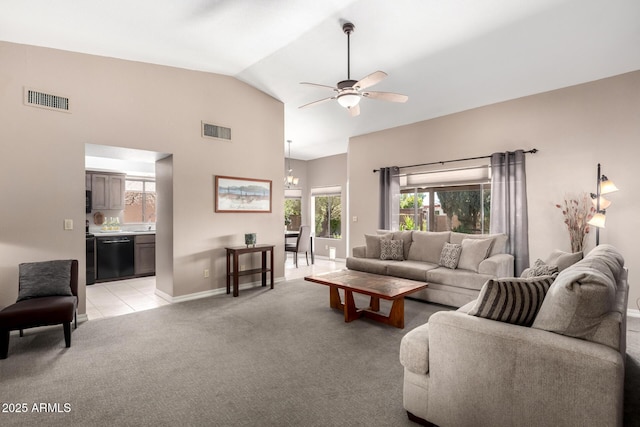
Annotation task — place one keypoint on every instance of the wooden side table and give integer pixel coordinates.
(235, 252)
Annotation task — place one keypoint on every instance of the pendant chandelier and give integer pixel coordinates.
(290, 180)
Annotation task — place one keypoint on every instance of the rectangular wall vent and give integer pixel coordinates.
(215, 131)
(49, 101)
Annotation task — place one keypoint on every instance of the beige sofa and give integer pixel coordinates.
(567, 369)
(422, 252)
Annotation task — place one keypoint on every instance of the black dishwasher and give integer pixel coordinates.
(115, 257)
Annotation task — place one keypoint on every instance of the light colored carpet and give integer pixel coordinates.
(277, 357)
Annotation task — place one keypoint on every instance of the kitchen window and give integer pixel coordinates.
(139, 200)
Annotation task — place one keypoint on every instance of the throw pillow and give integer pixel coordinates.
(373, 244)
(474, 251)
(512, 300)
(450, 255)
(391, 249)
(44, 279)
(540, 268)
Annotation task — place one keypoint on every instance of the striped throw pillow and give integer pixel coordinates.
(512, 300)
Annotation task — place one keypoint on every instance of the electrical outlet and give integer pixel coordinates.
(242, 267)
(68, 224)
(326, 247)
(355, 219)
(206, 272)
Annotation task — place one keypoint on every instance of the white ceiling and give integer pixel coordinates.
(447, 56)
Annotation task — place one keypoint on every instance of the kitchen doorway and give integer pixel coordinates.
(145, 290)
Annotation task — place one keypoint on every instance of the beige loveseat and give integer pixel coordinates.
(482, 257)
(567, 369)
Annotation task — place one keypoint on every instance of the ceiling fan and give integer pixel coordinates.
(349, 92)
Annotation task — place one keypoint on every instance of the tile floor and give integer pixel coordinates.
(110, 299)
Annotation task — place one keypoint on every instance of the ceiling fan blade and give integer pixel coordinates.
(386, 96)
(320, 101)
(318, 85)
(370, 80)
(355, 110)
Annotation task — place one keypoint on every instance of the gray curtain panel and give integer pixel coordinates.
(509, 204)
(389, 198)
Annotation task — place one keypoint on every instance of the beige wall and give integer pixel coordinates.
(574, 129)
(136, 105)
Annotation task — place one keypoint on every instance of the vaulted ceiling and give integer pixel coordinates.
(447, 56)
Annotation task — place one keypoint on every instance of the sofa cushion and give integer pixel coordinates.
(391, 249)
(458, 278)
(374, 266)
(512, 300)
(474, 251)
(563, 259)
(582, 296)
(540, 268)
(44, 279)
(412, 270)
(499, 245)
(427, 245)
(373, 244)
(450, 255)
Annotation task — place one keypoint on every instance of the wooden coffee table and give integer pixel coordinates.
(374, 285)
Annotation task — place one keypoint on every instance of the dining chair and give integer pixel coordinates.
(301, 245)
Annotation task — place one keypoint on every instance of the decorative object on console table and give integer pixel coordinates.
(577, 211)
(242, 194)
(250, 239)
(603, 186)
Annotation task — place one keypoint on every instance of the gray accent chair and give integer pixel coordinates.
(41, 302)
(302, 244)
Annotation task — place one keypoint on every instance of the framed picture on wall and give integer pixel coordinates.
(234, 194)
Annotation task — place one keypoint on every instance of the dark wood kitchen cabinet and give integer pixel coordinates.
(145, 255)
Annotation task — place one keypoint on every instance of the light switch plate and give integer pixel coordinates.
(68, 224)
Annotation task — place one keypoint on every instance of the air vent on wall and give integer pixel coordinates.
(215, 131)
(49, 101)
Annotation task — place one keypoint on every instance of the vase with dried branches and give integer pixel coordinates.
(577, 211)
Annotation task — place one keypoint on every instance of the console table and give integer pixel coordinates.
(235, 252)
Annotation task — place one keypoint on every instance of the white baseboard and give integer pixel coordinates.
(633, 312)
(82, 317)
(209, 293)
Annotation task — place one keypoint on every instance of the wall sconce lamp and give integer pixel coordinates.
(603, 186)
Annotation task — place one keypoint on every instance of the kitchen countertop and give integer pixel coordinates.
(121, 233)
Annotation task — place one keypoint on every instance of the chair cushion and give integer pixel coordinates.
(38, 312)
(43, 279)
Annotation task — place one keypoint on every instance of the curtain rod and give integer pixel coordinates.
(532, 151)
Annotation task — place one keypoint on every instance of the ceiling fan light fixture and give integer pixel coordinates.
(348, 100)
